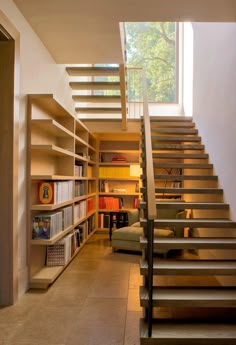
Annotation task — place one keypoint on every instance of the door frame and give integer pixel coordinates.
(9, 146)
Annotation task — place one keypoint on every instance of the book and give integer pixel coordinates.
(90, 204)
(46, 192)
(45, 226)
(55, 192)
(119, 159)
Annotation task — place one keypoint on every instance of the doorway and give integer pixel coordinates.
(8, 172)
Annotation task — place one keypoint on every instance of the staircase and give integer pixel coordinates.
(100, 91)
(196, 313)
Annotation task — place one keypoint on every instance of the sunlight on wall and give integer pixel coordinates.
(188, 70)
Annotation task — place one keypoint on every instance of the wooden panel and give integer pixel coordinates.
(8, 176)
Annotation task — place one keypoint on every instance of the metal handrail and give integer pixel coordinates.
(150, 211)
(151, 214)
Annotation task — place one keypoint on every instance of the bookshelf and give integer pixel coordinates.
(118, 174)
(62, 188)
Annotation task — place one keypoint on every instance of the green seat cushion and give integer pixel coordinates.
(133, 216)
(133, 233)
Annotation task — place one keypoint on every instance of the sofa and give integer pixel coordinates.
(128, 238)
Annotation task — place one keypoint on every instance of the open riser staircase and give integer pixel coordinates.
(199, 309)
(98, 90)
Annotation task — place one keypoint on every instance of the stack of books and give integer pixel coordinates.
(119, 159)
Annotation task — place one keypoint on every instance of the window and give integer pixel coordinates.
(153, 47)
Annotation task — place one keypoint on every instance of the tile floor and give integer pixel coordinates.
(94, 302)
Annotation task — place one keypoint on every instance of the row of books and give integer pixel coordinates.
(80, 210)
(103, 220)
(114, 171)
(110, 203)
(119, 159)
(47, 225)
(79, 170)
(55, 192)
(79, 188)
(59, 254)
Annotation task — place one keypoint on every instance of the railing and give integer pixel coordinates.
(135, 92)
(149, 196)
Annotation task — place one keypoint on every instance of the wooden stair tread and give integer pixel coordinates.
(186, 332)
(190, 267)
(180, 155)
(183, 165)
(196, 222)
(202, 297)
(96, 85)
(174, 130)
(92, 71)
(172, 124)
(187, 190)
(191, 243)
(189, 222)
(97, 98)
(175, 138)
(98, 110)
(168, 146)
(188, 205)
(185, 177)
(154, 119)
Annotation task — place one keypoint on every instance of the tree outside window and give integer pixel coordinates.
(152, 46)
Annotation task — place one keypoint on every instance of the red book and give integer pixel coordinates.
(101, 202)
(90, 204)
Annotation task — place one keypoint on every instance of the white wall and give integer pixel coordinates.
(38, 74)
(214, 110)
(214, 99)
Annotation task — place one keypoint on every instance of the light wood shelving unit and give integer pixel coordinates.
(57, 143)
(114, 175)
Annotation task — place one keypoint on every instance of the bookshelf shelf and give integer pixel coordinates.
(91, 213)
(45, 276)
(51, 177)
(53, 239)
(50, 207)
(119, 194)
(118, 210)
(114, 164)
(81, 158)
(80, 141)
(79, 221)
(51, 150)
(118, 186)
(120, 151)
(48, 274)
(60, 149)
(52, 127)
(79, 198)
(119, 178)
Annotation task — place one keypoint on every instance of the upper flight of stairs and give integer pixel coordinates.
(99, 92)
(203, 314)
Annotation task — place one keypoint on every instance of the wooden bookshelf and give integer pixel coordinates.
(47, 275)
(118, 154)
(60, 148)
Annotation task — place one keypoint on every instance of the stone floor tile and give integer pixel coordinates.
(101, 322)
(132, 328)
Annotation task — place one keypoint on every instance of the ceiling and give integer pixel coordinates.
(76, 31)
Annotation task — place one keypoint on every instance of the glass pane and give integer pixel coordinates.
(152, 47)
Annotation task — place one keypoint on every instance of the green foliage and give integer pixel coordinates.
(152, 46)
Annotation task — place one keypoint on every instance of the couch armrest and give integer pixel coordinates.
(179, 232)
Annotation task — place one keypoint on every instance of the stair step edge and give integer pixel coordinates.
(185, 332)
